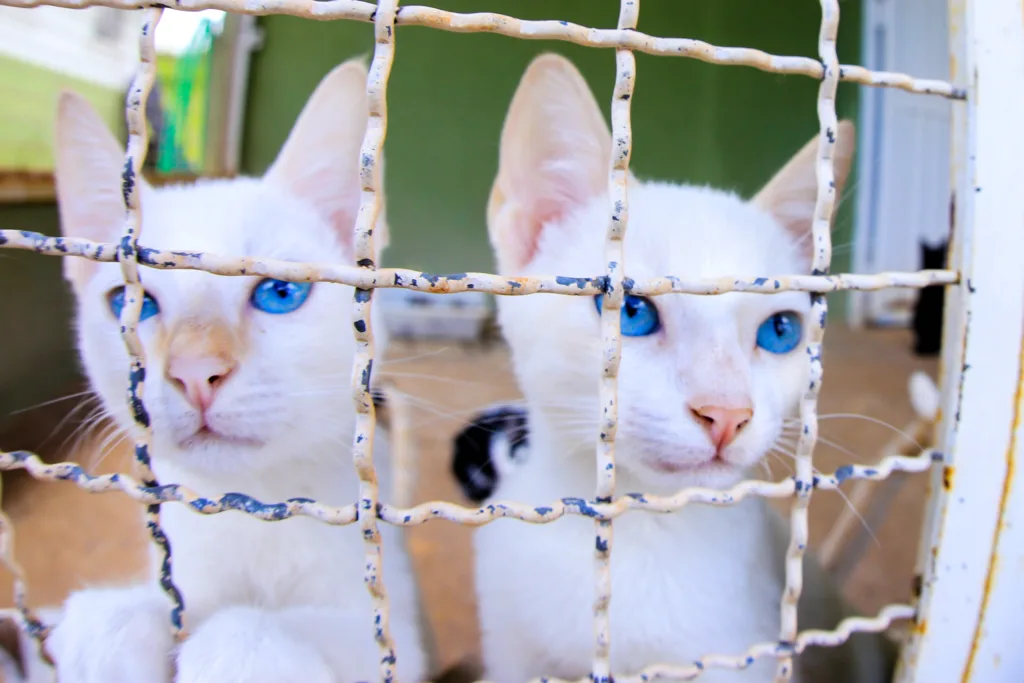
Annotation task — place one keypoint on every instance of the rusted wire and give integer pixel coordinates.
(782, 651)
(134, 294)
(452, 283)
(362, 367)
(821, 240)
(614, 295)
(23, 615)
(452, 512)
(490, 22)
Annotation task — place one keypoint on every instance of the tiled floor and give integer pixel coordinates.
(68, 539)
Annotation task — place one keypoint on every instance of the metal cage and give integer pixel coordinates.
(972, 546)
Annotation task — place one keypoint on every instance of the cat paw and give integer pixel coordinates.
(113, 635)
(248, 645)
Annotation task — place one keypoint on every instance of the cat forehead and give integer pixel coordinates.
(237, 217)
(701, 232)
(713, 316)
(686, 231)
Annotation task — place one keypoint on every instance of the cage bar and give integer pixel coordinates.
(966, 623)
(362, 368)
(23, 615)
(453, 512)
(821, 240)
(453, 283)
(134, 294)
(490, 22)
(611, 306)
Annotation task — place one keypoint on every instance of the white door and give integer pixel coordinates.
(903, 180)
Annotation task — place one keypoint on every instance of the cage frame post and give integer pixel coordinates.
(965, 630)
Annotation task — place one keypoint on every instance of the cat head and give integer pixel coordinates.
(242, 371)
(934, 256)
(705, 382)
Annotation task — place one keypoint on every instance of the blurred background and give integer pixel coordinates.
(229, 89)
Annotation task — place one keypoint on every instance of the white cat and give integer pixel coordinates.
(704, 385)
(248, 388)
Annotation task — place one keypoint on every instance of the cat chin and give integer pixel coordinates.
(206, 439)
(714, 474)
(667, 471)
(210, 454)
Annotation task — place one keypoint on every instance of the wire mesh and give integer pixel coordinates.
(366, 219)
(364, 276)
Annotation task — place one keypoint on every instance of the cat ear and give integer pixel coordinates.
(319, 163)
(554, 155)
(791, 195)
(89, 163)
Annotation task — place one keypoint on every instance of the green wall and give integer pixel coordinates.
(29, 111)
(38, 348)
(725, 125)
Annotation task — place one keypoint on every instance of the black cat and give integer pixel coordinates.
(930, 303)
(491, 443)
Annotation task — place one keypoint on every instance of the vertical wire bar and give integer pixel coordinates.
(622, 134)
(27, 620)
(822, 244)
(362, 367)
(138, 139)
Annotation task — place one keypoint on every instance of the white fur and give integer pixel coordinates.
(265, 601)
(924, 396)
(702, 581)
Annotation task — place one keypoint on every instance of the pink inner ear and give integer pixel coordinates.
(547, 212)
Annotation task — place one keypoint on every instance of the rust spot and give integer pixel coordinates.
(993, 562)
(921, 627)
(947, 477)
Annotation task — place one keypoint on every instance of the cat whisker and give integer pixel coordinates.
(109, 444)
(409, 359)
(433, 378)
(842, 495)
(431, 407)
(778, 458)
(873, 420)
(53, 401)
(95, 415)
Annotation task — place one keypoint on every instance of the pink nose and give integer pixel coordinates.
(722, 424)
(199, 378)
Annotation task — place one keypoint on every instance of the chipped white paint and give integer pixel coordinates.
(972, 550)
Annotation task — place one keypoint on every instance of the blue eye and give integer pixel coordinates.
(639, 316)
(278, 296)
(116, 300)
(780, 333)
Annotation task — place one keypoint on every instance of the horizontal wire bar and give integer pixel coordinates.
(452, 512)
(452, 283)
(882, 621)
(22, 614)
(489, 22)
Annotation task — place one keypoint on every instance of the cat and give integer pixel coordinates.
(928, 308)
(248, 389)
(487, 447)
(705, 383)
